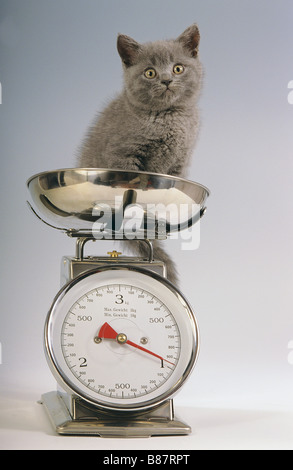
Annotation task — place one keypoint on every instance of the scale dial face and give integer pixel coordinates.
(121, 338)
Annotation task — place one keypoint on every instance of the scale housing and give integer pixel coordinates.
(73, 201)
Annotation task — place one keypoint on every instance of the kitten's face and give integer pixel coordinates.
(162, 74)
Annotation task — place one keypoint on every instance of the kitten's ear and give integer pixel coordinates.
(190, 39)
(128, 49)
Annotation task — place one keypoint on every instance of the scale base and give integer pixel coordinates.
(72, 416)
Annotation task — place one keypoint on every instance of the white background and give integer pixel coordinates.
(58, 67)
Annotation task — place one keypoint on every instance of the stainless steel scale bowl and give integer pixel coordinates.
(88, 202)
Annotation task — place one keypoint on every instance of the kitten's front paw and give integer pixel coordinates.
(132, 163)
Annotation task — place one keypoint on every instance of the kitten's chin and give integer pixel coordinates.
(162, 99)
(168, 93)
(167, 99)
(157, 103)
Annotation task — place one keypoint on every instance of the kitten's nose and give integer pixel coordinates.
(166, 82)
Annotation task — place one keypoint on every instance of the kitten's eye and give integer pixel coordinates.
(178, 69)
(150, 73)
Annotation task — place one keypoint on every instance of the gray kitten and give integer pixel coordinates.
(152, 125)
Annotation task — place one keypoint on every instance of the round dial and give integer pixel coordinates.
(121, 338)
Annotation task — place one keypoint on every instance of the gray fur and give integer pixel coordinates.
(153, 124)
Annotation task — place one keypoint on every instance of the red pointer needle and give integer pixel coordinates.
(108, 332)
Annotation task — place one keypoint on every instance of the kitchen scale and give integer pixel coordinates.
(120, 338)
